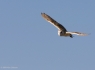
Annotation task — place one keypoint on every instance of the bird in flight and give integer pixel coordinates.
(61, 29)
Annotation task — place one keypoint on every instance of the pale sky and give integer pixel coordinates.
(28, 42)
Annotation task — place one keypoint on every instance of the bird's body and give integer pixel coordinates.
(61, 29)
(62, 33)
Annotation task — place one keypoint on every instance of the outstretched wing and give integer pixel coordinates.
(52, 21)
(78, 33)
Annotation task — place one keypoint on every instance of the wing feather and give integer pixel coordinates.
(52, 21)
(78, 33)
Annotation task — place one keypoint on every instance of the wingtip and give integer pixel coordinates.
(41, 13)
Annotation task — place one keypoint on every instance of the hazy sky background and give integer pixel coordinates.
(28, 42)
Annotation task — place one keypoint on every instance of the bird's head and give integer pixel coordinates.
(60, 33)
